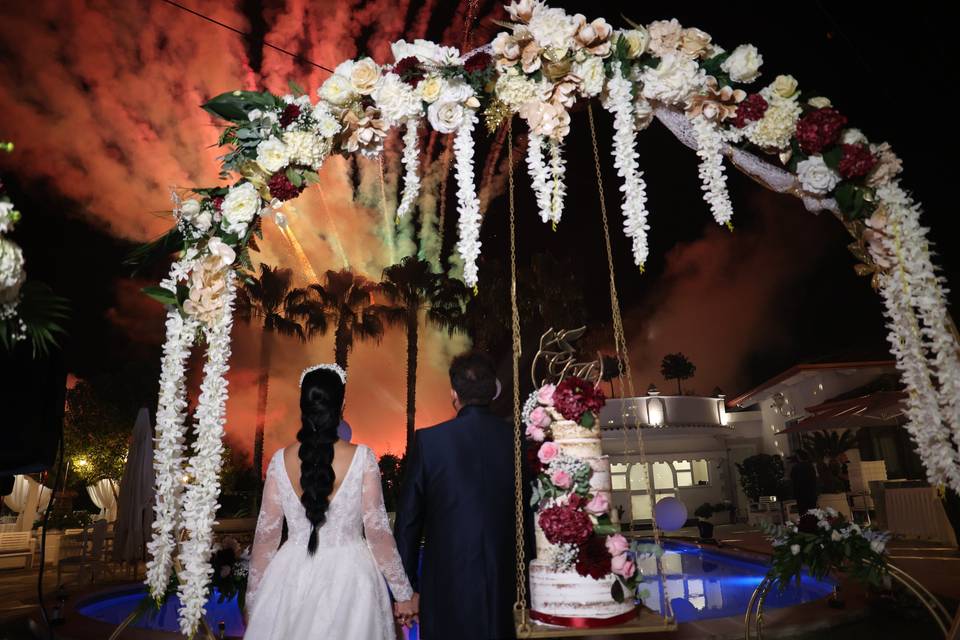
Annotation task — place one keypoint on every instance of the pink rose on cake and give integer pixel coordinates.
(617, 545)
(540, 418)
(561, 479)
(536, 433)
(548, 451)
(545, 395)
(599, 504)
(622, 565)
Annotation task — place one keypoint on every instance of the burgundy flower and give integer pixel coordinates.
(593, 559)
(409, 70)
(217, 203)
(290, 113)
(575, 397)
(856, 161)
(566, 525)
(576, 501)
(808, 523)
(478, 62)
(753, 108)
(534, 466)
(820, 129)
(282, 189)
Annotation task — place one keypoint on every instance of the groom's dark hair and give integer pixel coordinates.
(474, 378)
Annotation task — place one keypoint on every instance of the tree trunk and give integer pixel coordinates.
(412, 346)
(679, 391)
(341, 344)
(263, 387)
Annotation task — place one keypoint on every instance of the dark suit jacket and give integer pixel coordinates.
(458, 497)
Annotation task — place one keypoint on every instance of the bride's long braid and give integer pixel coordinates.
(321, 404)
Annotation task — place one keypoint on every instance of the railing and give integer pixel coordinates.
(659, 412)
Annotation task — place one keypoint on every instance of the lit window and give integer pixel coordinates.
(618, 476)
(638, 478)
(701, 475)
(662, 476)
(684, 473)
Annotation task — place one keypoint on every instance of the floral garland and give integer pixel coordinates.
(558, 189)
(169, 449)
(620, 103)
(200, 500)
(712, 177)
(539, 175)
(411, 162)
(469, 203)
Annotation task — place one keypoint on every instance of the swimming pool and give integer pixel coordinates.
(699, 583)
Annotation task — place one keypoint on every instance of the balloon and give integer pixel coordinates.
(671, 514)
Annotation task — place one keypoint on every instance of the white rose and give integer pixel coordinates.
(816, 177)
(396, 99)
(430, 89)
(255, 114)
(795, 549)
(877, 546)
(819, 102)
(853, 136)
(12, 274)
(552, 27)
(743, 65)
(8, 216)
(337, 90)
(364, 76)
(203, 221)
(836, 536)
(591, 73)
(637, 41)
(189, 209)
(446, 116)
(327, 125)
(221, 250)
(272, 155)
(674, 80)
(785, 86)
(305, 148)
(239, 207)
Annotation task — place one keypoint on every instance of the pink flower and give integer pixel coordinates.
(535, 433)
(622, 565)
(545, 395)
(617, 545)
(548, 451)
(539, 417)
(561, 479)
(599, 505)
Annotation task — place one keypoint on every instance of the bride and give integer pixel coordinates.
(325, 581)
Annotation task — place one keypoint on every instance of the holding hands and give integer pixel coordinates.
(407, 612)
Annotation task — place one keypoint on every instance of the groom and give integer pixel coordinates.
(458, 498)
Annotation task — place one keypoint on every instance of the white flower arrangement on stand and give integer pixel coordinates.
(411, 163)
(620, 103)
(713, 180)
(469, 204)
(200, 499)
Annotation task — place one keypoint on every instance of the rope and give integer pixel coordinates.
(520, 606)
(623, 354)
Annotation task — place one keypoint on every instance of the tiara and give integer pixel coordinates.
(337, 369)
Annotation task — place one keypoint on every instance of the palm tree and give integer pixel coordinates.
(414, 288)
(676, 366)
(266, 301)
(827, 449)
(345, 302)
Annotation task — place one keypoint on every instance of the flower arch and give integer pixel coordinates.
(539, 67)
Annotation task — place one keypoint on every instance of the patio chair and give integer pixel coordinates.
(90, 560)
(17, 544)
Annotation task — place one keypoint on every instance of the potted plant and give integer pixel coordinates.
(828, 450)
(703, 513)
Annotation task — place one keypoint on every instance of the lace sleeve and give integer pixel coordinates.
(376, 528)
(266, 541)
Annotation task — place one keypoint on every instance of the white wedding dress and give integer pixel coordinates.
(339, 592)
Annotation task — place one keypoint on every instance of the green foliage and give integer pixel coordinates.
(236, 105)
(705, 511)
(713, 68)
(154, 251)
(60, 521)
(42, 312)
(827, 450)
(760, 475)
(391, 479)
(855, 201)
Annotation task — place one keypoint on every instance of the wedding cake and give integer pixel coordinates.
(578, 564)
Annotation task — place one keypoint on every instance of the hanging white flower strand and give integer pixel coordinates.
(411, 162)
(558, 186)
(620, 103)
(468, 204)
(539, 174)
(168, 452)
(916, 307)
(713, 179)
(200, 500)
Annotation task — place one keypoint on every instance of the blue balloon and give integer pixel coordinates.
(671, 514)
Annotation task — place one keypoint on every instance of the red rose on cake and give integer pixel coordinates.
(566, 525)
(576, 398)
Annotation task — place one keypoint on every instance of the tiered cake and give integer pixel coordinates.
(571, 578)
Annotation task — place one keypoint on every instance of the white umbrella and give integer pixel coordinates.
(135, 502)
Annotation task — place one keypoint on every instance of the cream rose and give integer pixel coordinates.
(816, 177)
(240, 205)
(337, 90)
(272, 155)
(784, 86)
(694, 42)
(364, 76)
(189, 208)
(853, 136)
(819, 102)
(430, 88)
(637, 41)
(744, 63)
(446, 116)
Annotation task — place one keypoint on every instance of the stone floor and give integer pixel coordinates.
(937, 567)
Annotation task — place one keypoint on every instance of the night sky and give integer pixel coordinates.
(102, 100)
